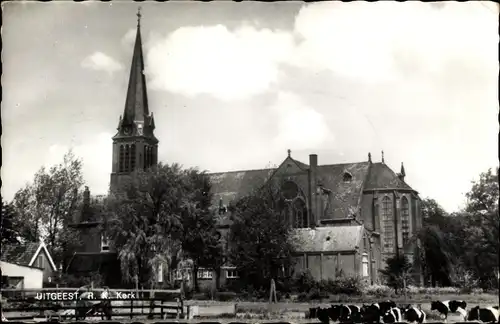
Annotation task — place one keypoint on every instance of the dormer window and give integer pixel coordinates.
(347, 177)
(104, 243)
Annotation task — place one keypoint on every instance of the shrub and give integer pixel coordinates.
(378, 290)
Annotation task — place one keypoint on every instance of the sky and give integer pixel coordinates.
(234, 85)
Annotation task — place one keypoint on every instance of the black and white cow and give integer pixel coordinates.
(449, 306)
(322, 315)
(414, 314)
(374, 312)
(486, 314)
(394, 315)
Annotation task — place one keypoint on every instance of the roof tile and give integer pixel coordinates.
(19, 254)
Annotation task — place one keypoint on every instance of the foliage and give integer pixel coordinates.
(260, 238)
(8, 227)
(200, 240)
(143, 220)
(46, 206)
(397, 272)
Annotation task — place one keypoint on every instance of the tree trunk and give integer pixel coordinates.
(195, 277)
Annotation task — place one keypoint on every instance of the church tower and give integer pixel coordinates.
(134, 145)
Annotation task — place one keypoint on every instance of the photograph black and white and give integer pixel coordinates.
(245, 161)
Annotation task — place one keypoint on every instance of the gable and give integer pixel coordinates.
(43, 249)
(382, 177)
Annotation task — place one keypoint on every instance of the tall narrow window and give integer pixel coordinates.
(121, 159)
(132, 157)
(299, 214)
(152, 156)
(364, 262)
(104, 243)
(160, 273)
(145, 157)
(388, 225)
(127, 158)
(405, 220)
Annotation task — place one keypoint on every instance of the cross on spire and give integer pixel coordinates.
(289, 152)
(139, 15)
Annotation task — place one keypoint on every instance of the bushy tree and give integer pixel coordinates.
(398, 272)
(260, 237)
(143, 219)
(46, 206)
(200, 239)
(8, 230)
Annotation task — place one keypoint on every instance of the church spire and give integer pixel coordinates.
(136, 105)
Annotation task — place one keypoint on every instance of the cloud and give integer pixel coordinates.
(300, 127)
(101, 62)
(213, 60)
(367, 42)
(377, 41)
(129, 38)
(96, 156)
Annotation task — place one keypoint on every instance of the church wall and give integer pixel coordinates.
(91, 240)
(367, 210)
(314, 266)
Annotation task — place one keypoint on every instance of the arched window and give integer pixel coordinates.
(299, 213)
(145, 157)
(387, 225)
(364, 261)
(347, 177)
(289, 190)
(132, 158)
(121, 159)
(405, 220)
(151, 162)
(127, 158)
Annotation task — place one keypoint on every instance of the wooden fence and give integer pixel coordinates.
(150, 303)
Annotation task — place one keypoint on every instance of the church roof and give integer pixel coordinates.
(382, 177)
(345, 195)
(328, 239)
(136, 103)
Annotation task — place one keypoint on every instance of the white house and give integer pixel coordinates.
(22, 277)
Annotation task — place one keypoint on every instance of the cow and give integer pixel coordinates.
(486, 314)
(394, 315)
(414, 314)
(322, 315)
(372, 313)
(449, 306)
(334, 312)
(355, 315)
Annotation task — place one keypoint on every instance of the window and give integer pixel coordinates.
(232, 274)
(204, 274)
(347, 177)
(405, 220)
(299, 214)
(104, 243)
(146, 157)
(387, 225)
(132, 157)
(178, 275)
(39, 261)
(364, 261)
(160, 273)
(122, 159)
(290, 190)
(127, 157)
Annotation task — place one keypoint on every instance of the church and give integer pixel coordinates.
(348, 217)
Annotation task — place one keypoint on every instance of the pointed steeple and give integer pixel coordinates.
(136, 104)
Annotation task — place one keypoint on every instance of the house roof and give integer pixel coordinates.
(328, 239)
(25, 254)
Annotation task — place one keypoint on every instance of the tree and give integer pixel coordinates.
(143, 220)
(46, 206)
(200, 238)
(482, 227)
(398, 272)
(8, 231)
(260, 237)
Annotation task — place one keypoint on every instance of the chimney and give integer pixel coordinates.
(313, 186)
(86, 197)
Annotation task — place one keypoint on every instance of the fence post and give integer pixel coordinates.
(131, 308)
